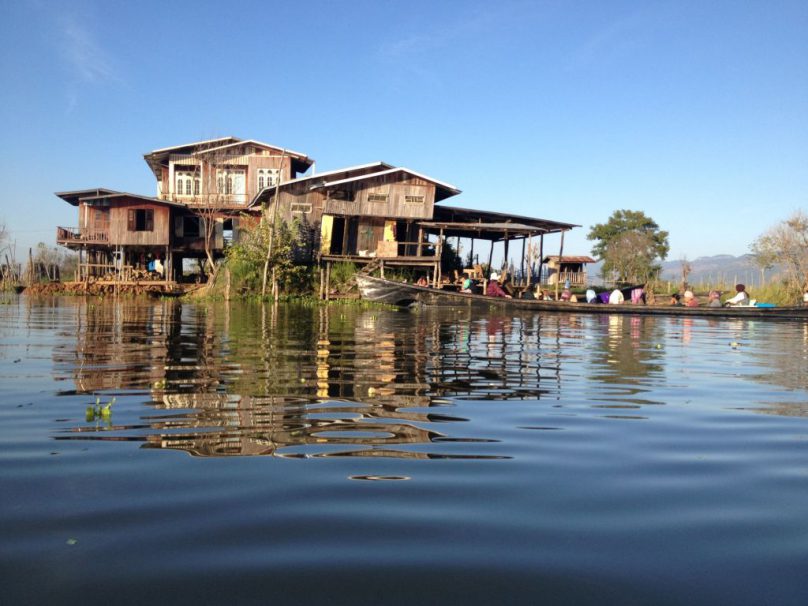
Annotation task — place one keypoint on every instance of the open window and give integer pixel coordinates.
(140, 219)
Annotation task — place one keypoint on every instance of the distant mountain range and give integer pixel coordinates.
(717, 269)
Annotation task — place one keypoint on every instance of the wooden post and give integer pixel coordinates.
(522, 264)
(558, 274)
(438, 256)
(507, 244)
(541, 255)
(490, 257)
(420, 248)
(320, 284)
(381, 268)
(471, 255)
(328, 280)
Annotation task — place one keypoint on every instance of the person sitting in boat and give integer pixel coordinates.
(741, 297)
(616, 297)
(805, 297)
(467, 286)
(638, 295)
(714, 299)
(494, 289)
(592, 296)
(422, 281)
(675, 300)
(566, 294)
(690, 299)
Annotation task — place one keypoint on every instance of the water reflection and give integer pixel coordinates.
(310, 381)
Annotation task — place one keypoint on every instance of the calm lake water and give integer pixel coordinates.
(305, 455)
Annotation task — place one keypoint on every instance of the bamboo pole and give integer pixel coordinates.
(272, 225)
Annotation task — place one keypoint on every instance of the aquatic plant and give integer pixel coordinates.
(98, 411)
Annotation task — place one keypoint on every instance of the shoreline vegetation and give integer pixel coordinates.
(264, 265)
(231, 283)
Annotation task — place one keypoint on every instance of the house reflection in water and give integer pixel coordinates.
(310, 382)
(302, 381)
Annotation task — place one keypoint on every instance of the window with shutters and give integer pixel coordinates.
(377, 197)
(140, 219)
(414, 199)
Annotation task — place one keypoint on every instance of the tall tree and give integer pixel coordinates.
(630, 244)
(786, 244)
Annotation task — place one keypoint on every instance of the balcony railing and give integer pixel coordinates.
(207, 200)
(66, 235)
(576, 278)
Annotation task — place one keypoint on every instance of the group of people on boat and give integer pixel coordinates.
(494, 287)
(689, 299)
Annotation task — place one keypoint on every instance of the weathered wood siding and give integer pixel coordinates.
(235, 158)
(119, 233)
(396, 204)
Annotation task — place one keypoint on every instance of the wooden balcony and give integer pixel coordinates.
(576, 278)
(208, 200)
(80, 235)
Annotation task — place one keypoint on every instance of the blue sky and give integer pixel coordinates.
(693, 112)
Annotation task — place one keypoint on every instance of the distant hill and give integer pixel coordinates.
(723, 269)
(717, 269)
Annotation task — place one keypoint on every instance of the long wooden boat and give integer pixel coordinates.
(400, 294)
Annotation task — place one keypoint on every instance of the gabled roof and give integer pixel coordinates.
(159, 157)
(86, 195)
(74, 197)
(443, 190)
(221, 140)
(289, 152)
(309, 182)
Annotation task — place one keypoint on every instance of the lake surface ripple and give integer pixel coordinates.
(187, 453)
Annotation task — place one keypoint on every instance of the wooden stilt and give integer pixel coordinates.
(522, 264)
(541, 255)
(439, 255)
(558, 275)
(507, 243)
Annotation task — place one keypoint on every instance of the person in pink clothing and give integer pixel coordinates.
(494, 289)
